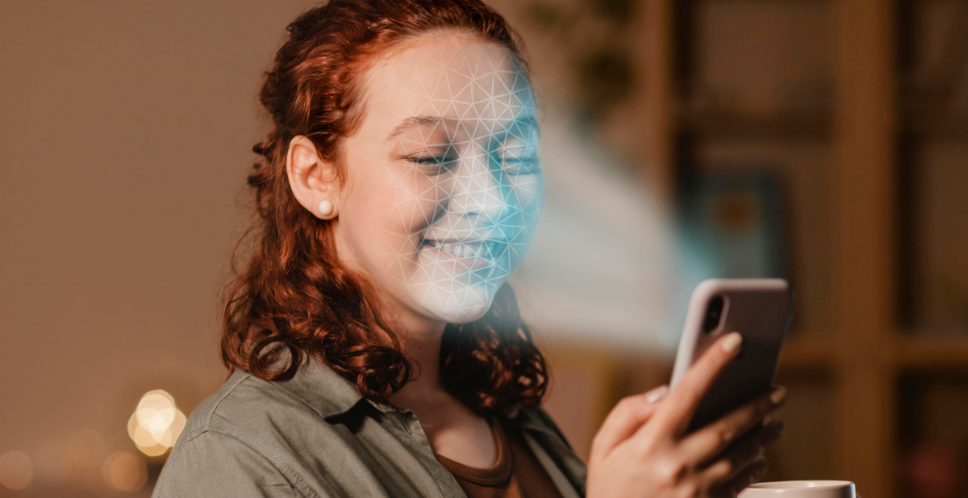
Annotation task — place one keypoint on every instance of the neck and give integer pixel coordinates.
(419, 335)
(420, 339)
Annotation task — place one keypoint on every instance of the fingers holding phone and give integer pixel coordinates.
(625, 418)
(734, 446)
(705, 437)
(643, 448)
(717, 436)
(691, 389)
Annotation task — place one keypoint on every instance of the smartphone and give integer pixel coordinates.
(759, 309)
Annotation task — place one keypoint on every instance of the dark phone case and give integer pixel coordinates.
(757, 316)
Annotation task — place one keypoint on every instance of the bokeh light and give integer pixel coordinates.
(156, 424)
(86, 448)
(51, 461)
(16, 470)
(124, 471)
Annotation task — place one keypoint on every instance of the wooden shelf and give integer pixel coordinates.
(807, 352)
(816, 351)
(863, 352)
(932, 353)
(939, 127)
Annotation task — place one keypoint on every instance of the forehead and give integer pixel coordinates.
(454, 76)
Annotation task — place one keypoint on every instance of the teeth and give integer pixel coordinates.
(469, 251)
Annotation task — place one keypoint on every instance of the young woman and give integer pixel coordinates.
(375, 346)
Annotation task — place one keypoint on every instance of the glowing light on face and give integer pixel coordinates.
(458, 190)
(156, 424)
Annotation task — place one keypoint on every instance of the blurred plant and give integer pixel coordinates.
(596, 34)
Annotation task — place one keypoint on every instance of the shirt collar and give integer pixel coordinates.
(532, 420)
(322, 389)
(331, 395)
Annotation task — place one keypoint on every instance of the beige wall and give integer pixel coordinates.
(125, 130)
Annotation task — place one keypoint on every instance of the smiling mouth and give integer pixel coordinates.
(480, 249)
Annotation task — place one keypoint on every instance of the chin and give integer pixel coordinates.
(458, 307)
(463, 315)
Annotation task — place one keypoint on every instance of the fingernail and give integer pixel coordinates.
(656, 394)
(778, 394)
(732, 341)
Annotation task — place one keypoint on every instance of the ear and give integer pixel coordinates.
(312, 179)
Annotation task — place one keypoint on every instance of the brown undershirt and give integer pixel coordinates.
(516, 474)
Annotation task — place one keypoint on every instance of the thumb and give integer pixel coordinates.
(621, 423)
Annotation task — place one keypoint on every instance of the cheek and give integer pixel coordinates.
(403, 207)
(528, 191)
(417, 201)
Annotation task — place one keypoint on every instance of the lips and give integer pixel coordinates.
(476, 249)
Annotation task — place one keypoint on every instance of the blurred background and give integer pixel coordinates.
(824, 141)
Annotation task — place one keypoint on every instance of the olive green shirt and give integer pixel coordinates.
(316, 436)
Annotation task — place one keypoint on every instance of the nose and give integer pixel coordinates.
(480, 190)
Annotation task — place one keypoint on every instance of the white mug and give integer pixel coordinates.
(800, 489)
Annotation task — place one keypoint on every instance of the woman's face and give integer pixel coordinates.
(443, 183)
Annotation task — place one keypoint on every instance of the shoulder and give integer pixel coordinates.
(238, 443)
(245, 407)
(214, 464)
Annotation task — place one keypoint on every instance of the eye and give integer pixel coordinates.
(518, 157)
(433, 165)
(431, 160)
(435, 160)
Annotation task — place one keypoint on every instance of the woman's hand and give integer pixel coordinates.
(642, 449)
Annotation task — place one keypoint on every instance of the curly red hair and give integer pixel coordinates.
(294, 294)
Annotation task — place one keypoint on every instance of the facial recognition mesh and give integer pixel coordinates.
(464, 212)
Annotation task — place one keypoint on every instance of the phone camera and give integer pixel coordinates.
(714, 314)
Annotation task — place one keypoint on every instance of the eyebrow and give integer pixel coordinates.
(412, 121)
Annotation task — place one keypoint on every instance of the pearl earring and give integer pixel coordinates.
(326, 208)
